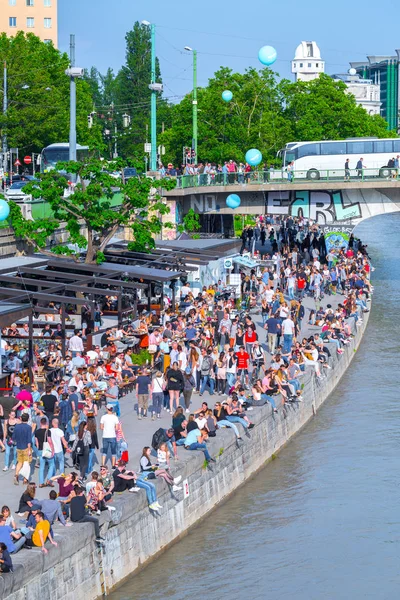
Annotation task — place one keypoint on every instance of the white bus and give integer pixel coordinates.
(55, 153)
(326, 159)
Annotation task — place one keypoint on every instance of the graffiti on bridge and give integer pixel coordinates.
(321, 206)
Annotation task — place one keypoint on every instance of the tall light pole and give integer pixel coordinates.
(5, 107)
(155, 88)
(72, 102)
(73, 73)
(194, 101)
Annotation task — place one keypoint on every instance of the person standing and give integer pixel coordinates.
(157, 395)
(360, 167)
(81, 447)
(75, 343)
(347, 170)
(288, 333)
(45, 448)
(22, 438)
(143, 388)
(59, 442)
(49, 401)
(175, 385)
(108, 425)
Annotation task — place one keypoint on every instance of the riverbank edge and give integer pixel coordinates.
(77, 570)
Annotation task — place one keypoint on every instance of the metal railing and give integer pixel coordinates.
(282, 176)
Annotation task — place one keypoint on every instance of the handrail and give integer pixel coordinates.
(274, 176)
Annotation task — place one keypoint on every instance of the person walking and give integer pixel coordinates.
(108, 425)
(189, 384)
(22, 438)
(157, 394)
(143, 389)
(81, 448)
(175, 385)
(347, 170)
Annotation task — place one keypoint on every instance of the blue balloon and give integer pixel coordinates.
(4, 210)
(233, 201)
(267, 55)
(253, 157)
(227, 96)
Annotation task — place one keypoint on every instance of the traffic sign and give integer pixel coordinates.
(17, 163)
(27, 160)
(147, 148)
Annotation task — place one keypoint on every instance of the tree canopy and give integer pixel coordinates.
(38, 96)
(90, 212)
(266, 114)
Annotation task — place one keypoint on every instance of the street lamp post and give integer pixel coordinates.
(194, 101)
(5, 107)
(153, 127)
(155, 88)
(73, 73)
(72, 103)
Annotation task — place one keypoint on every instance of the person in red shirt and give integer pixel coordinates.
(243, 364)
(250, 337)
(301, 286)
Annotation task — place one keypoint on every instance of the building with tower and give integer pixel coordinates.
(307, 63)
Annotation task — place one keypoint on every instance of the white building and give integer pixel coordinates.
(307, 64)
(367, 93)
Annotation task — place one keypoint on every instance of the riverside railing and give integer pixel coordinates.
(282, 176)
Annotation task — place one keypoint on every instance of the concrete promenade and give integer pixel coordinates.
(139, 433)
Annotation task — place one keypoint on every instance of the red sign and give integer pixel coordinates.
(27, 160)
(17, 163)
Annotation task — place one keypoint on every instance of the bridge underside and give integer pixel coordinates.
(327, 205)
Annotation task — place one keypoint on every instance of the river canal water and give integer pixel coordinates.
(320, 522)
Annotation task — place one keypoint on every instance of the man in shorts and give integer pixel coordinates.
(22, 437)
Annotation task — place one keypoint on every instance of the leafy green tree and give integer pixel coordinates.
(90, 214)
(323, 110)
(227, 130)
(38, 93)
(132, 90)
(191, 224)
(266, 115)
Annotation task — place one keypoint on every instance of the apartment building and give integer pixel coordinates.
(31, 16)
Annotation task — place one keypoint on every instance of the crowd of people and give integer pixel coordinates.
(246, 353)
(208, 173)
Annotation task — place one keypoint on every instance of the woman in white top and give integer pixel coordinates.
(182, 358)
(157, 395)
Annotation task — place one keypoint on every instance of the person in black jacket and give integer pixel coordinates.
(175, 385)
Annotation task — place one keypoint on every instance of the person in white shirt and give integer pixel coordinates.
(75, 343)
(76, 381)
(58, 439)
(109, 424)
(288, 333)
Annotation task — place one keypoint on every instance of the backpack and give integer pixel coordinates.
(158, 438)
(206, 366)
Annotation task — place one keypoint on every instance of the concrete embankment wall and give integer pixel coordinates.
(75, 570)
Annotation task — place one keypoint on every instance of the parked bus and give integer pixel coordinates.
(55, 153)
(313, 160)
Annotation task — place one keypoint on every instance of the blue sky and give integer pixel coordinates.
(227, 33)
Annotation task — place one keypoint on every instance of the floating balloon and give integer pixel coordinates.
(227, 96)
(253, 157)
(4, 210)
(233, 201)
(267, 55)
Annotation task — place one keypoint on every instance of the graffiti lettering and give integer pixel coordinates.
(321, 206)
(203, 202)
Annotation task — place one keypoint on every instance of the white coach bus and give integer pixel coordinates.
(326, 159)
